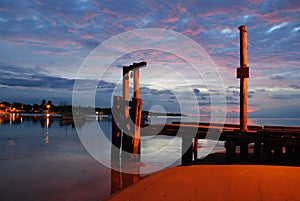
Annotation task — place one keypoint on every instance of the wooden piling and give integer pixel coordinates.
(116, 121)
(136, 83)
(137, 114)
(244, 150)
(137, 117)
(230, 146)
(186, 150)
(132, 118)
(127, 136)
(195, 148)
(243, 74)
(126, 93)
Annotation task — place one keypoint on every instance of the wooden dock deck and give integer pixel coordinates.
(271, 143)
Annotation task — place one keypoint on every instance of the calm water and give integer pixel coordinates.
(43, 159)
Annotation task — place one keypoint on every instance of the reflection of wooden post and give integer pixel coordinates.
(115, 177)
(116, 123)
(243, 74)
(116, 144)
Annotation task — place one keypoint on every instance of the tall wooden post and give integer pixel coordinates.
(138, 114)
(136, 83)
(243, 74)
(131, 132)
(126, 92)
(127, 137)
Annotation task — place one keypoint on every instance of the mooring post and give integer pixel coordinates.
(136, 83)
(186, 150)
(127, 138)
(131, 127)
(138, 114)
(243, 74)
(116, 132)
(126, 92)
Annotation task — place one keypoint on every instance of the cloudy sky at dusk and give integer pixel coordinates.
(44, 43)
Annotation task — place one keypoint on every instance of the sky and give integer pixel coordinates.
(44, 44)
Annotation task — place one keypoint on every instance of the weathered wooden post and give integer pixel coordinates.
(243, 74)
(127, 136)
(186, 149)
(116, 123)
(131, 132)
(138, 114)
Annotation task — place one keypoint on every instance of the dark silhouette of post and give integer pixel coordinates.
(127, 135)
(243, 74)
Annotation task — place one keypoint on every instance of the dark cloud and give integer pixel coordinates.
(295, 86)
(278, 112)
(277, 77)
(26, 77)
(196, 91)
(285, 96)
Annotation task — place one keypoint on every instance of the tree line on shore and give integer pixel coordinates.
(44, 106)
(63, 108)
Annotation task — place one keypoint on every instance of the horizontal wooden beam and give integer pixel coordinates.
(133, 66)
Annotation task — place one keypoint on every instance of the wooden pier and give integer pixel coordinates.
(271, 143)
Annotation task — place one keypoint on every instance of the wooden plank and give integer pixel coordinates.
(251, 127)
(283, 128)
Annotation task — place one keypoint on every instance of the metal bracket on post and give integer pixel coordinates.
(242, 72)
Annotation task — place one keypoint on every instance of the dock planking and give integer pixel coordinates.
(270, 142)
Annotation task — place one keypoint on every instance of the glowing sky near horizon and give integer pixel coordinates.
(43, 45)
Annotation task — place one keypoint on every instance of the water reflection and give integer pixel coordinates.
(45, 152)
(11, 143)
(120, 178)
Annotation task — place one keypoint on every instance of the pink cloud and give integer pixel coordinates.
(90, 16)
(256, 2)
(276, 17)
(118, 15)
(53, 23)
(292, 9)
(47, 52)
(194, 32)
(87, 36)
(170, 19)
(72, 31)
(180, 8)
(38, 2)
